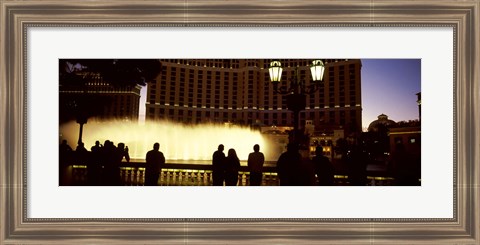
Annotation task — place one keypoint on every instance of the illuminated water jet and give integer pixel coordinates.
(177, 141)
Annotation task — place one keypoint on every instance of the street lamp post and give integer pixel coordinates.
(296, 91)
(419, 102)
(81, 119)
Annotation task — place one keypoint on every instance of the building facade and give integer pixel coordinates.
(114, 102)
(239, 91)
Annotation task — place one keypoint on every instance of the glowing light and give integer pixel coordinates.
(177, 141)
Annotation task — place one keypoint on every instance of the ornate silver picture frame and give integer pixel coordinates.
(17, 16)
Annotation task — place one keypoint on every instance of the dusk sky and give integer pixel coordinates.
(389, 86)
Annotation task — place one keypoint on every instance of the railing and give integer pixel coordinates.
(133, 174)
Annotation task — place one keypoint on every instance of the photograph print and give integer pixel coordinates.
(239, 122)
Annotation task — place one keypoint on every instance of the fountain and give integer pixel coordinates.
(178, 142)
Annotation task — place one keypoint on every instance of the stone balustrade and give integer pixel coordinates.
(133, 174)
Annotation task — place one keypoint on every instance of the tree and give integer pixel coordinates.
(409, 123)
(117, 72)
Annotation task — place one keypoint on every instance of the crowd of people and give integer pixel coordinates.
(102, 161)
(293, 168)
(225, 168)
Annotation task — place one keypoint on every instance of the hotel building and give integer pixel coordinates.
(239, 91)
(120, 103)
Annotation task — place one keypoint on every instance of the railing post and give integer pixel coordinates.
(161, 177)
(141, 180)
(208, 178)
(167, 177)
(135, 176)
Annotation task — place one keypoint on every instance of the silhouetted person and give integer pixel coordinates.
(81, 154)
(357, 160)
(218, 166)
(406, 167)
(122, 152)
(65, 148)
(155, 162)
(255, 166)
(232, 165)
(94, 168)
(111, 171)
(97, 147)
(65, 158)
(307, 169)
(289, 166)
(323, 168)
